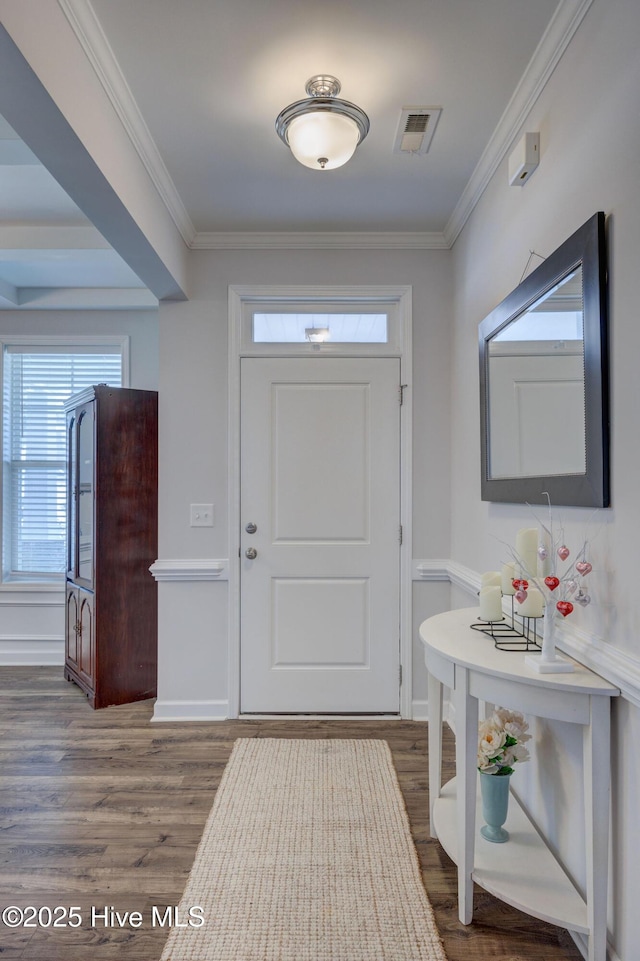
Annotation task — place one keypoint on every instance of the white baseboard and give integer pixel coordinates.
(31, 650)
(420, 710)
(191, 711)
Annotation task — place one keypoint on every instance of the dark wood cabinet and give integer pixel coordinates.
(112, 524)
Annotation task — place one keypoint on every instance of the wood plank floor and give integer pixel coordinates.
(104, 809)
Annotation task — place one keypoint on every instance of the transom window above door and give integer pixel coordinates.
(318, 328)
(358, 325)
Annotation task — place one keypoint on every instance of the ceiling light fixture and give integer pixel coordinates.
(317, 335)
(322, 131)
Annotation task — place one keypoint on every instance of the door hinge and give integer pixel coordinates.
(400, 534)
(400, 675)
(401, 393)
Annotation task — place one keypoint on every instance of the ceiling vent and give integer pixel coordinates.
(416, 129)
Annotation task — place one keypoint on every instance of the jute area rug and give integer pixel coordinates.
(307, 856)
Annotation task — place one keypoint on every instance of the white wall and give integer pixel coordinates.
(32, 620)
(193, 443)
(589, 147)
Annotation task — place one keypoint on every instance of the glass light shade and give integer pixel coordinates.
(317, 335)
(314, 137)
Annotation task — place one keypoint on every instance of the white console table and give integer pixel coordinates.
(522, 872)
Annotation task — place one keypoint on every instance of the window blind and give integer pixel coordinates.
(36, 384)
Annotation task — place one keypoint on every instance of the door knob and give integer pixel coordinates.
(251, 528)
(251, 553)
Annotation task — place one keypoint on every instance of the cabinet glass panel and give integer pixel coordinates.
(85, 494)
(72, 555)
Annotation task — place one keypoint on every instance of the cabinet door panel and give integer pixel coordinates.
(72, 628)
(87, 639)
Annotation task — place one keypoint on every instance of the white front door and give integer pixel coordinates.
(320, 481)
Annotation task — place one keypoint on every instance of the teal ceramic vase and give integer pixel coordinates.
(494, 790)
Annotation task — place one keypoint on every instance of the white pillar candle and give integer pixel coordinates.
(490, 604)
(533, 604)
(527, 551)
(491, 579)
(507, 576)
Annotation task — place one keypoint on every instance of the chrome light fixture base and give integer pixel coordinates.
(322, 101)
(323, 85)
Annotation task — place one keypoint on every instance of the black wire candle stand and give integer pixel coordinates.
(507, 636)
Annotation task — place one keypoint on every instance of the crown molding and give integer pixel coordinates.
(310, 240)
(554, 42)
(86, 26)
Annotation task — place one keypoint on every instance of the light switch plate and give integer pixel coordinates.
(202, 515)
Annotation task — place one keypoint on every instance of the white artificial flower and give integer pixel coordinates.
(492, 742)
(491, 724)
(486, 767)
(520, 753)
(494, 754)
(502, 716)
(517, 730)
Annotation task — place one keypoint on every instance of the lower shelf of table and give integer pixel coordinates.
(522, 872)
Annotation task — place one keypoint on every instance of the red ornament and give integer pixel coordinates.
(563, 552)
(565, 607)
(520, 584)
(583, 567)
(551, 582)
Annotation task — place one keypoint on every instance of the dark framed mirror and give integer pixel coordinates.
(544, 410)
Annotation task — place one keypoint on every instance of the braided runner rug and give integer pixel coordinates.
(307, 856)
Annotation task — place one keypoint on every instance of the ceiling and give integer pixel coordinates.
(202, 82)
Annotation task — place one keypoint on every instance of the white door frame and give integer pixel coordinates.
(401, 296)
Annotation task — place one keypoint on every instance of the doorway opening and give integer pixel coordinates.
(308, 647)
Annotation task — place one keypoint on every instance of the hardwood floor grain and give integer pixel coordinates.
(103, 810)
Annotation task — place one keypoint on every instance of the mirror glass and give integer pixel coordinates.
(537, 389)
(544, 408)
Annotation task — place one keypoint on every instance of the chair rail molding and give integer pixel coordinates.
(191, 569)
(614, 665)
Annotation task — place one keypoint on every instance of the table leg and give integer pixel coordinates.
(596, 755)
(466, 708)
(434, 693)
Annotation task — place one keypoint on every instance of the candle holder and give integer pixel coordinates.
(508, 635)
(545, 581)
